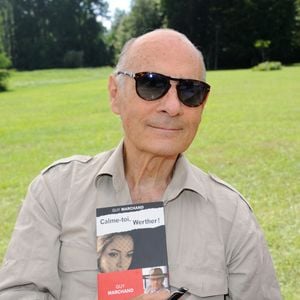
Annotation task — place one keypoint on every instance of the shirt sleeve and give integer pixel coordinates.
(30, 267)
(250, 268)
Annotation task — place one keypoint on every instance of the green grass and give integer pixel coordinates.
(249, 136)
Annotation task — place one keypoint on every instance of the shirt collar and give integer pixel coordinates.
(114, 167)
(184, 176)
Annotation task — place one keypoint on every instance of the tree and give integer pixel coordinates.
(112, 39)
(45, 31)
(82, 31)
(296, 32)
(276, 22)
(145, 15)
(6, 25)
(192, 18)
(225, 30)
(262, 45)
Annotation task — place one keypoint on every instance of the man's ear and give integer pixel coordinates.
(113, 94)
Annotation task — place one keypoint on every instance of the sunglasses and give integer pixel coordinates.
(152, 86)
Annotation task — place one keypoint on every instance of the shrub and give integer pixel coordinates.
(73, 59)
(4, 74)
(4, 61)
(268, 66)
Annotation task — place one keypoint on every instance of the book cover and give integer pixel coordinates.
(131, 251)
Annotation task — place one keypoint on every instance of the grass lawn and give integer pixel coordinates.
(249, 136)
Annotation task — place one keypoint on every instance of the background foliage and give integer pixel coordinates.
(227, 30)
(39, 34)
(42, 32)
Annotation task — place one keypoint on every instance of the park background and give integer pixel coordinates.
(56, 56)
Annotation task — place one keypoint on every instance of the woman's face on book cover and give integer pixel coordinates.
(117, 255)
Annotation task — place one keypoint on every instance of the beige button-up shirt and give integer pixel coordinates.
(215, 246)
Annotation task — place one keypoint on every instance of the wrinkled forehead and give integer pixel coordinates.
(170, 54)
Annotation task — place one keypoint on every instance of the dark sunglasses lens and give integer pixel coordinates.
(151, 86)
(192, 93)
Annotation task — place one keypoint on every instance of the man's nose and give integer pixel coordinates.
(170, 102)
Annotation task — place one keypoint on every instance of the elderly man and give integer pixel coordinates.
(215, 246)
(156, 279)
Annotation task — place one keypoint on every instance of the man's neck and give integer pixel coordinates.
(147, 175)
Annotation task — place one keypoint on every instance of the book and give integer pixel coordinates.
(131, 251)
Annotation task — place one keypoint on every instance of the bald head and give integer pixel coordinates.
(156, 48)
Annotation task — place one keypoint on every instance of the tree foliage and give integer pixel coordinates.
(262, 45)
(39, 34)
(225, 30)
(44, 31)
(6, 25)
(296, 30)
(145, 15)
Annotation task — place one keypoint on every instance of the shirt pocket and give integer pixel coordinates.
(201, 284)
(78, 271)
(74, 258)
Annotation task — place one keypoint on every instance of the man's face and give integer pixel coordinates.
(164, 127)
(156, 283)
